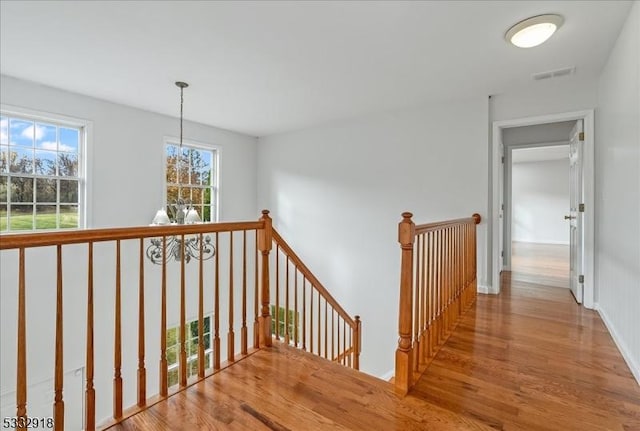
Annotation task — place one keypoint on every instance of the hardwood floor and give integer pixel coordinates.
(532, 359)
(544, 264)
(528, 359)
(282, 388)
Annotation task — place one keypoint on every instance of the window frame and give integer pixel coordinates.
(84, 139)
(175, 366)
(215, 167)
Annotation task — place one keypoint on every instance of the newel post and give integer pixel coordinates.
(404, 354)
(265, 245)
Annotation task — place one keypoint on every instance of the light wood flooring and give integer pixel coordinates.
(545, 264)
(532, 359)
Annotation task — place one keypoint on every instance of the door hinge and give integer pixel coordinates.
(502, 159)
(502, 253)
(581, 136)
(581, 279)
(581, 208)
(502, 207)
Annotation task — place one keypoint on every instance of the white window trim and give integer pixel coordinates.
(217, 154)
(84, 151)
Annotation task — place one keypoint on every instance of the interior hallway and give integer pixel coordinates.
(543, 264)
(532, 359)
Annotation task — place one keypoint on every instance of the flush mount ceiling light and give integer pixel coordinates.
(533, 31)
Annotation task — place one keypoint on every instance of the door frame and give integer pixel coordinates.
(497, 188)
(508, 193)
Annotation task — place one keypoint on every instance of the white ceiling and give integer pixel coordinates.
(540, 154)
(268, 67)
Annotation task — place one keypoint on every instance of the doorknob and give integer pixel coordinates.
(569, 217)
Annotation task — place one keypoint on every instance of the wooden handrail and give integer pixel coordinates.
(429, 227)
(328, 321)
(42, 239)
(295, 259)
(437, 284)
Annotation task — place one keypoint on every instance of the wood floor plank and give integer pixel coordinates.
(281, 388)
(532, 359)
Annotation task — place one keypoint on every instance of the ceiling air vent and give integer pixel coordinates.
(554, 73)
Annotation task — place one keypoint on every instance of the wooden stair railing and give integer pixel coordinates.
(437, 285)
(308, 316)
(239, 269)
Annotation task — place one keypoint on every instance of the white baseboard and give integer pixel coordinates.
(388, 375)
(488, 290)
(622, 347)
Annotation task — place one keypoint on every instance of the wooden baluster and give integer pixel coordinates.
(433, 279)
(446, 250)
(416, 304)
(265, 243)
(333, 356)
(287, 335)
(326, 330)
(90, 393)
(201, 362)
(117, 348)
(295, 308)
(319, 328)
(357, 332)
(142, 371)
(344, 342)
(183, 366)
(276, 311)
(243, 330)
(447, 274)
(58, 405)
(304, 313)
(441, 283)
(404, 355)
(216, 309)
(164, 380)
(424, 339)
(231, 345)
(450, 286)
(256, 325)
(311, 317)
(21, 383)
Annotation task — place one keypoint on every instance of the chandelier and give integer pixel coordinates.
(181, 211)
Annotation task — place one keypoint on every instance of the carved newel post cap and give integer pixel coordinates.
(407, 215)
(477, 218)
(265, 212)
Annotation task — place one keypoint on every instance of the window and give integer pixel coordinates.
(41, 169)
(293, 321)
(191, 337)
(196, 169)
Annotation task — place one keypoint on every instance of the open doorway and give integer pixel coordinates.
(539, 202)
(534, 137)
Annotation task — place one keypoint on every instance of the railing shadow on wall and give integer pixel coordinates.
(438, 283)
(222, 309)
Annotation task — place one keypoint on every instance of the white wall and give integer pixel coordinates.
(336, 193)
(540, 193)
(120, 130)
(126, 177)
(618, 191)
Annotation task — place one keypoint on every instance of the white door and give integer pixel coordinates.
(501, 214)
(576, 214)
